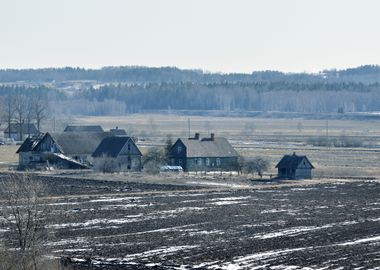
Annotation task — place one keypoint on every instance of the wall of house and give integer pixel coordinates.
(303, 173)
(119, 164)
(211, 164)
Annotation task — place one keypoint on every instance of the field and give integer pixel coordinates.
(138, 221)
(298, 225)
(271, 138)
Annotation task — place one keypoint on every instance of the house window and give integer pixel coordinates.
(199, 161)
(129, 147)
(180, 162)
(179, 149)
(173, 161)
(207, 162)
(218, 162)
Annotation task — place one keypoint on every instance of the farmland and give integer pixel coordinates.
(222, 221)
(129, 225)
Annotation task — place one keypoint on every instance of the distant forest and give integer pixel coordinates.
(122, 90)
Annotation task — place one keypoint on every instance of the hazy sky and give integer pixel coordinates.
(215, 35)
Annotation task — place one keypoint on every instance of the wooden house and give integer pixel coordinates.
(63, 150)
(295, 167)
(117, 153)
(83, 128)
(203, 154)
(19, 132)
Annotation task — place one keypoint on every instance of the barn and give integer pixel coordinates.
(19, 132)
(295, 167)
(62, 149)
(203, 154)
(117, 153)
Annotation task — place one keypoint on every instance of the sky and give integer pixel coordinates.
(213, 35)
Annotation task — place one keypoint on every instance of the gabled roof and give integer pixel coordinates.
(111, 146)
(69, 143)
(216, 147)
(292, 161)
(26, 128)
(79, 142)
(83, 128)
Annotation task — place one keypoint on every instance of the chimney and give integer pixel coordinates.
(212, 136)
(196, 137)
(117, 127)
(294, 153)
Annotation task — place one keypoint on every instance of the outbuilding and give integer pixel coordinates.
(295, 167)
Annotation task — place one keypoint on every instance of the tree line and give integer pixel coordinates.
(138, 74)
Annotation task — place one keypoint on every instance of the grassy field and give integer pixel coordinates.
(8, 155)
(271, 138)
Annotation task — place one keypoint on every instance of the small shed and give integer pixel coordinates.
(295, 167)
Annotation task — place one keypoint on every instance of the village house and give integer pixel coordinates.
(83, 128)
(19, 132)
(117, 153)
(69, 150)
(294, 167)
(203, 154)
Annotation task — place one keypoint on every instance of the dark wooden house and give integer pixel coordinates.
(19, 132)
(62, 150)
(203, 154)
(295, 167)
(83, 128)
(117, 153)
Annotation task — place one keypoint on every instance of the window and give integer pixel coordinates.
(129, 147)
(172, 161)
(218, 162)
(180, 162)
(207, 162)
(179, 149)
(199, 161)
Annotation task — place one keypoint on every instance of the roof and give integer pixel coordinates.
(111, 146)
(118, 132)
(79, 142)
(292, 161)
(79, 128)
(26, 128)
(218, 147)
(69, 142)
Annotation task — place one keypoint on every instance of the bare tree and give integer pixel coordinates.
(21, 110)
(9, 111)
(153, 160)
(256, 165)
(23, 214)
(39, 109)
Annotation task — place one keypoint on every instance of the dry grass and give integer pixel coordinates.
(8, 155)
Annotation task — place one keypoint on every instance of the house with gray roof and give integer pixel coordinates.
(19, 132)
(203, 154)
(64, 150)
(117, 153)
(83, 128)
(295, 167)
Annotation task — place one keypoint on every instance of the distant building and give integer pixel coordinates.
(13, 131)
(69, 150)
(295, 167)
(118, 131)
(203, 154)
(81, 128)
(118, 153)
